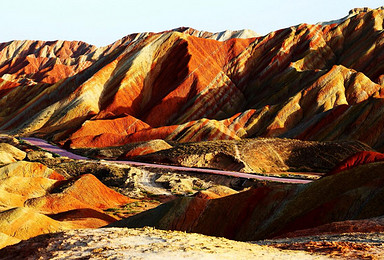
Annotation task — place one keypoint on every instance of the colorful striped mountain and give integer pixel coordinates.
(310, 82)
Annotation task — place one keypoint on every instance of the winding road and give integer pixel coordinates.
(54, 149)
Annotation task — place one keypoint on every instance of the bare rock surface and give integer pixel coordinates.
(6, 240)
(9, 154)
(35, 155)
(146, 243)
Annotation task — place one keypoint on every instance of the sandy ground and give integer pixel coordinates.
(145, 243)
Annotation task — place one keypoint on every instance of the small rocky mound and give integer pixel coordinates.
(38, 155)
(4, 138)
(29, 169)
(215, 192)
(359, 10)
(23, 223)
(85, 191)
(357, 159)
(144, 243)
(9, 154)
(84, 218)
(146, 148)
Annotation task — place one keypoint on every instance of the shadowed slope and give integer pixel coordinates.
(357, 159)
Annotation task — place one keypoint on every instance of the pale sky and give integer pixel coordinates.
(103, 22)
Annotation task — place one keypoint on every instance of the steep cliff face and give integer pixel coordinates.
(313, 82)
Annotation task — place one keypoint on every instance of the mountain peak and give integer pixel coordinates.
(219, 36)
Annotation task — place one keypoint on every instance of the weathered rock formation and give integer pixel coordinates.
(261, 155)
(312, 82)
(9, 154)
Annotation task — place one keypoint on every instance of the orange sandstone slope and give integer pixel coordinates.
(313, 82)
(35, 199)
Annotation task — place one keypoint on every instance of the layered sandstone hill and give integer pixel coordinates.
(35, 199)
(270, 211)
(357, 159)
(312, 82)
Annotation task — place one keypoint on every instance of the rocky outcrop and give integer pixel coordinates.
(23, 223)
(219, 36)
(215, 192)
(29, 169)
(9, 154)
(145, 148)
(260, 155)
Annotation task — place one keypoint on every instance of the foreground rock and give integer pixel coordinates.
(145, 243)
(348, 226)
(9, 154)
(6, 240)
(23, 223)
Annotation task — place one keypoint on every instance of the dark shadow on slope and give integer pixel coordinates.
(169, 72)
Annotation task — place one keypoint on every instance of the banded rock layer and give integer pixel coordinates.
(312, 82)
(35, 199)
